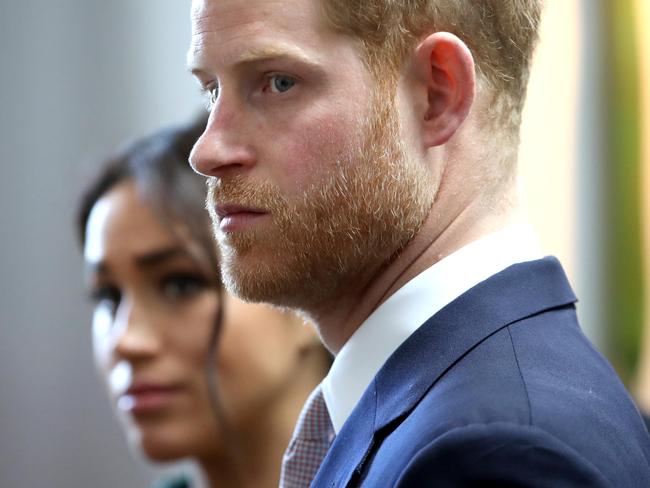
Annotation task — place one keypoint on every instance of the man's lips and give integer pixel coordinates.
(147, 397)
(237, 217)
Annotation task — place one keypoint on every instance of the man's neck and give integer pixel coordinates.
(337, 321)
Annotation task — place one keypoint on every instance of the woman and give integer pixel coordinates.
(158, 308)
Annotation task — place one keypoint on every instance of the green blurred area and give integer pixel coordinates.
(623, 187)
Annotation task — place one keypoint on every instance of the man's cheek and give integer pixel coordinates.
(319, 148)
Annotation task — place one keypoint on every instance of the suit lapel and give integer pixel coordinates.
(517, 292)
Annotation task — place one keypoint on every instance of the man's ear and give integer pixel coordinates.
(446, 83)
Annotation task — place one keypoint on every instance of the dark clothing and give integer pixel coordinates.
(499, 388)
(177, 482)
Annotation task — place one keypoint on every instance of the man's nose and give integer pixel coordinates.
(222, 150)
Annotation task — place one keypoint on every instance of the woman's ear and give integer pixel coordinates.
(446, 86)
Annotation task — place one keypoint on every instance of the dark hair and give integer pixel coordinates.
(158, 165)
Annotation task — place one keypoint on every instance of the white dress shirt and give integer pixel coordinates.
(403, 313)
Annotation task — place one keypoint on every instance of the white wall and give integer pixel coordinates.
(77, 78)
(562, 152)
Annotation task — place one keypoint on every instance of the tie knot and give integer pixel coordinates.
(311, 440)
(314, 423)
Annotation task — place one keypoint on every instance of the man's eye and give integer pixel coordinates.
(214, 93)
(281, 83)
(212, 96)
(182, 286)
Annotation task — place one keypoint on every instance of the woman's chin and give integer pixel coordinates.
(161, 453)
(166, 443)
(158, 447)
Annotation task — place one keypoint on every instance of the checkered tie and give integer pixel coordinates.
(311, 440)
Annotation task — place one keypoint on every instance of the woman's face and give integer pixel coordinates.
(154, 311)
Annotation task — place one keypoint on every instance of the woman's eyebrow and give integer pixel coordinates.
(149, 259)
(154, 258)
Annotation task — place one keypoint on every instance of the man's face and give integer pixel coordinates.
(311, 189)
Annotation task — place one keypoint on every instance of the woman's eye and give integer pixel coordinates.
(107, 297)
(181, 286)
(281, 83)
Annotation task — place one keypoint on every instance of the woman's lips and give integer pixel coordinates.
(233, 218)
(146, 398)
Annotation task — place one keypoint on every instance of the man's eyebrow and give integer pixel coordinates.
(272, 52)
(261, 54)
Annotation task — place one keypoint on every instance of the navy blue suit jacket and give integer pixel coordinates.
(499, 388)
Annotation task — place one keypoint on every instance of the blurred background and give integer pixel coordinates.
(79, 78)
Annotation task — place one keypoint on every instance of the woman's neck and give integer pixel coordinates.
(255, 460)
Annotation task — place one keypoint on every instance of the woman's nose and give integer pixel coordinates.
(136, 334)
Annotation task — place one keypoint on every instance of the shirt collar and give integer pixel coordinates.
(397, 318)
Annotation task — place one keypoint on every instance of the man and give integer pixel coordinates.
(362, 163)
